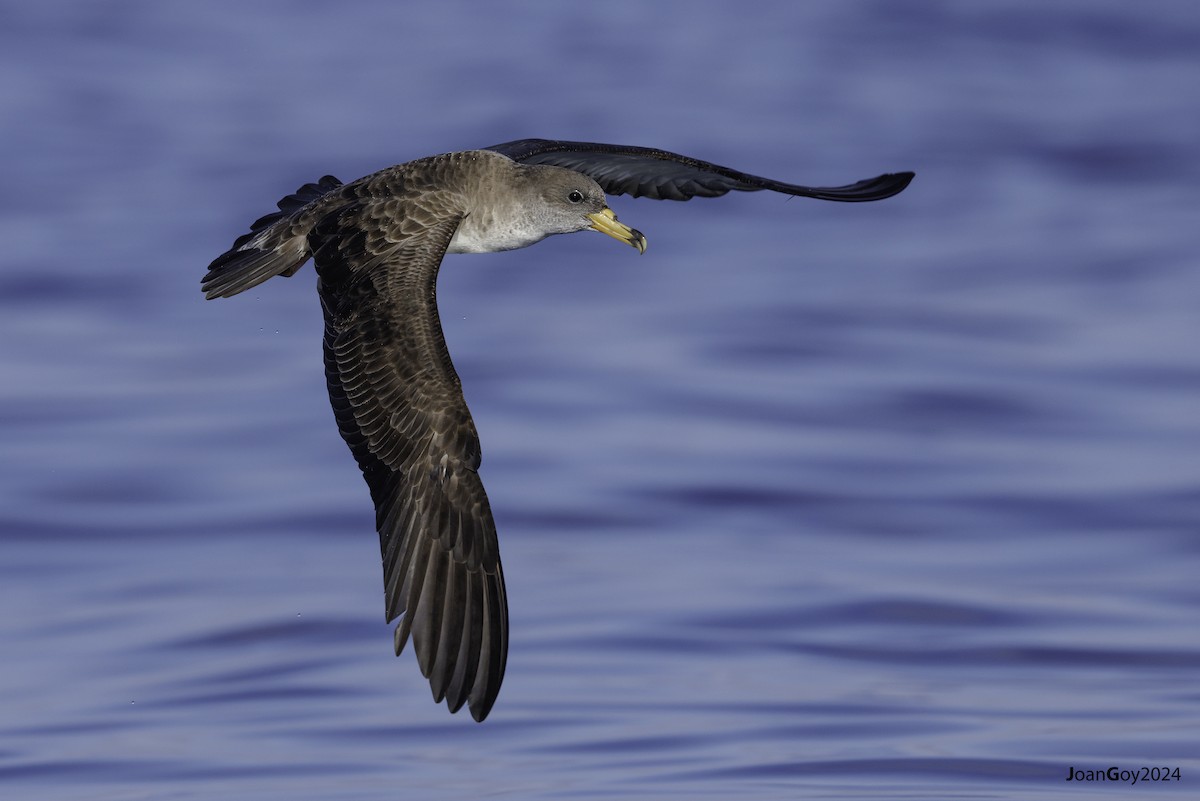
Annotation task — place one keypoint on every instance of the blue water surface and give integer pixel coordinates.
(855, 501)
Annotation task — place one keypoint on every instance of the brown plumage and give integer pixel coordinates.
(378, 244)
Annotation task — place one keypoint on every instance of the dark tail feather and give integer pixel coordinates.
(289, 205)
(239, 270)
(276, 245)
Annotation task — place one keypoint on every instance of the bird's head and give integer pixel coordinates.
(570, 201)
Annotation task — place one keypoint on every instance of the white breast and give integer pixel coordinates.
(477, 234)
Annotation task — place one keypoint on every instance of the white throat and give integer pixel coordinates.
(483, 233)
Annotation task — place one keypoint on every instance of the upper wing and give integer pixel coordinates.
(661, 175)
(400, 408)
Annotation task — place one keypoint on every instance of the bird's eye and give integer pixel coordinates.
(576, 196)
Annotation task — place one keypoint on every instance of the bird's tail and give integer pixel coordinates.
(276, 245)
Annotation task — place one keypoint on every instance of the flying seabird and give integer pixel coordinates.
(378, 243)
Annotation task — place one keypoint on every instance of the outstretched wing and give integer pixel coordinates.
(400, 408)
(662, 175)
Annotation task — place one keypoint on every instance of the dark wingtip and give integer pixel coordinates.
(900, 181)
(877, 188)
(479, 711)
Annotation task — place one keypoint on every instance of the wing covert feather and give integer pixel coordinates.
(400, 408)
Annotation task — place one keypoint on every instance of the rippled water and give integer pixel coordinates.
(893, 500)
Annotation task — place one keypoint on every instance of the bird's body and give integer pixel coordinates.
(378, 243)
(488, 193)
